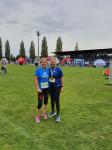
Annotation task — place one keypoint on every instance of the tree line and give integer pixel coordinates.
(44, 49)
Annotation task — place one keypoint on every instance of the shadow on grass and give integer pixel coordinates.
(108, 84)
(106, 78)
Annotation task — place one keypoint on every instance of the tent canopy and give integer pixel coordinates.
(99, 63)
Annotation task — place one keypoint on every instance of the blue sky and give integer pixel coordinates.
(86, 21)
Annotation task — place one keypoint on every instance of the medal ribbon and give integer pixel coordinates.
(52, 71)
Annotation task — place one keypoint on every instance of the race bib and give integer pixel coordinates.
(44, 85)
(52, 80)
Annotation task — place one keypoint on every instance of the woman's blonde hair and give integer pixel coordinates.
(43, 59)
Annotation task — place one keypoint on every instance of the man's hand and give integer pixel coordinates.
(62, 89)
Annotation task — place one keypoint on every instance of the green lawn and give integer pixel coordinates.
(86, 112)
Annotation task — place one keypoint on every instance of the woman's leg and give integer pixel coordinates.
(46, 95)
(40, 100)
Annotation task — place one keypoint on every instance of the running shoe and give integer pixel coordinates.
(44, 116)
(51, 114)
(58, 118)
(37, 119)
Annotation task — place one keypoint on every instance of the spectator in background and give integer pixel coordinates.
(3, 65)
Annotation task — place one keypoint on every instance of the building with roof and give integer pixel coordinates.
(89, 55)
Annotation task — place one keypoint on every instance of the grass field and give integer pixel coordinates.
(86, 112)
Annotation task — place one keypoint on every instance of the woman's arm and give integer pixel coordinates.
(36, 84)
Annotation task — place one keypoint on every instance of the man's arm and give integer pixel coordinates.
(62, 84)
(62, 81)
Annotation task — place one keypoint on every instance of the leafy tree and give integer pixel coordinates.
(14, 58)
(22, 50)
(32, 51)
(44, 51)
(59, 45)
(76, 46)
(11, 57)
(0, 48)
(7, 50)
(17, 57)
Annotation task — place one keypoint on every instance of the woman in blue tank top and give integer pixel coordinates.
(42, 88)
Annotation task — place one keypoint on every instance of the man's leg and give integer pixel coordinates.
(5, 70)
(52, 96)
(57, 100)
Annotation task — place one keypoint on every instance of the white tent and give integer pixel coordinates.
(99, 63)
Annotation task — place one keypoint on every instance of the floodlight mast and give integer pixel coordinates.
(38, 34)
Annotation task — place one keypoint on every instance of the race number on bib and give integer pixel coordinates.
(52, 80)
(44, 85)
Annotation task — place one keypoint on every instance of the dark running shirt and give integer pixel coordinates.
(57, 74)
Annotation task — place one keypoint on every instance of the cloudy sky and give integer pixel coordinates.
(87, 21)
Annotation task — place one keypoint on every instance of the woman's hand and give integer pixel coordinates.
(39, 90)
